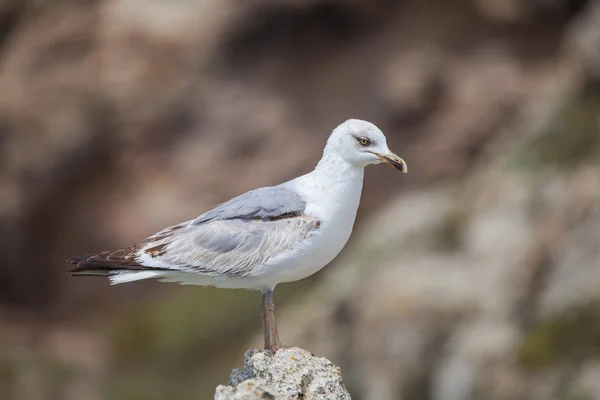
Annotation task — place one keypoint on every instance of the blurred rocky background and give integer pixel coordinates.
(475, 276)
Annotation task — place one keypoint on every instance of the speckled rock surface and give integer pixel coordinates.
(288, 374)
(247, 390)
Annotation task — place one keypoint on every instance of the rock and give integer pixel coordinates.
(246, 390)
(288, 374)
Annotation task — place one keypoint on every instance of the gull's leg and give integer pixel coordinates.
(267, 313)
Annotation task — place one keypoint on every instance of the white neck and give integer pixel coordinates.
(333, 187)
(334, 169)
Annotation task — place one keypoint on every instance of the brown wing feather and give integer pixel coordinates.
(105, 262)
(108, 262)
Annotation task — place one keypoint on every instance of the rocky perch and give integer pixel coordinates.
(289, 374)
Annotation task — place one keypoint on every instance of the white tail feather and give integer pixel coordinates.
(132, 276)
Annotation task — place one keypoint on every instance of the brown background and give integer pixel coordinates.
(120, 117)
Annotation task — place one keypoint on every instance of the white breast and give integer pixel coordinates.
(334, 200)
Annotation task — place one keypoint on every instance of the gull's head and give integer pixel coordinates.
(360, 143)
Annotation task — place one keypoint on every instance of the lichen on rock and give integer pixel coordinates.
(288, 374)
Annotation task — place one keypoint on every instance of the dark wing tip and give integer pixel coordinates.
(104, 263)
(75, 260)
(121, 257)
(90, 271)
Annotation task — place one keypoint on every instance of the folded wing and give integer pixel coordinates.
(229, 240)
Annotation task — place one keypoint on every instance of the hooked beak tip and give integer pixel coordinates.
(394, 161)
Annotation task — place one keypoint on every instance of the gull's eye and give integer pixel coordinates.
(364, 141)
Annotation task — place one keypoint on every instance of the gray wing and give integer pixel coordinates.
(264, 203)
(233, 238)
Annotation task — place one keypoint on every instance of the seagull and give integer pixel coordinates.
(264, 237)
